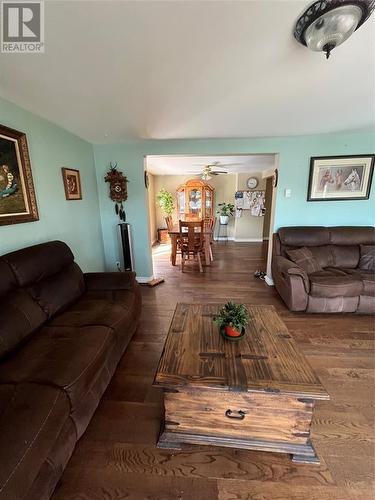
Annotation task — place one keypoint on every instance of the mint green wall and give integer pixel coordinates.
(75, 222)
(294, 156)
(78, 222)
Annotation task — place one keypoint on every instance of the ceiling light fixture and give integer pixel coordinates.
(325, 24)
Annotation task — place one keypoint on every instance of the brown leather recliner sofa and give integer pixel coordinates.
(337, 281)
(62, 334)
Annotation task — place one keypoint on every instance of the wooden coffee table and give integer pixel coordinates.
(258, 393)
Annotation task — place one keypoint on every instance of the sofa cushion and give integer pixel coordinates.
(7, 278)
(368, 279)
(367, 260)
(58, 291)
(352, 235)
(20, 317)
(113, 309)
(333, 282)
(31, 419)
(304, 236)
(345, 256)
(38, 262)
(124, 280)
(323, 255)
(304, 259)
(66, 357)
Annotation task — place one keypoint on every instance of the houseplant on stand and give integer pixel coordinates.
(226, 210)
(165, 201)
(231, 320)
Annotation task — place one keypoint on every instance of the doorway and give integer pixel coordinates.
(228, 176)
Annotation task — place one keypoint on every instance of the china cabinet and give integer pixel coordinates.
(195, 200)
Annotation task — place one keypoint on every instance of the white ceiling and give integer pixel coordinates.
(181, 165)
(114, 70)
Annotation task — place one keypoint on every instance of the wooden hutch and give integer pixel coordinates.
(195, 200)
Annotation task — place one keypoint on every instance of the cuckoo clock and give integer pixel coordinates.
(118, 191)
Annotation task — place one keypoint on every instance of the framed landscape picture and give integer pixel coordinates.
(17, 196)
(72, 184)
(340, 177)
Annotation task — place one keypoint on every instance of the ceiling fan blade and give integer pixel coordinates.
(218, 172)
(215, 164)
(228, 164)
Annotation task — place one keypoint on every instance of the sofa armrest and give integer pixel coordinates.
(110, 281)
(291, 282)
(287, 267)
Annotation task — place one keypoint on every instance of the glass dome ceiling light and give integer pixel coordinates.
(325, 24)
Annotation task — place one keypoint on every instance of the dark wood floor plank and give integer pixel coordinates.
(199, 463)
(117, 485)
(242, 490)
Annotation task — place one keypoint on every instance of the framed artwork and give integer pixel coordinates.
(17, 195)
(72, 184)
(146, 179)
(335, 178)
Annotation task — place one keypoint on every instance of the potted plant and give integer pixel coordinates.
(226, 210)
(232, 319)
(165, 200)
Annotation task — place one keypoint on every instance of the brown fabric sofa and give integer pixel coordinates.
(340, 285)
(62, 334)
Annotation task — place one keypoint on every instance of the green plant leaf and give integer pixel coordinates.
(232, 314)
(226, 209)
(166, 202)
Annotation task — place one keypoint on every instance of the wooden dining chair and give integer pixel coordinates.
(190, 241)
(209, 223)
(170, 227)
(169, 222)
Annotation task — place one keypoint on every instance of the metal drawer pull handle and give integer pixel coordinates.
(239, 415)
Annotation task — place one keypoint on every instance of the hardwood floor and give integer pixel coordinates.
(117, 457)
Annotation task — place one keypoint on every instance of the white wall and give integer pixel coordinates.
(248, 227)
(152, 209)
(245, 228)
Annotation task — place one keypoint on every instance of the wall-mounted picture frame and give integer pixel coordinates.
(72, 184)
(17, 195)
(146, 179)
(339, 178)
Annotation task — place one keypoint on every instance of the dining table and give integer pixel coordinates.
(174, 233)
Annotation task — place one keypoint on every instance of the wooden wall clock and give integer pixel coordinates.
(118, 191)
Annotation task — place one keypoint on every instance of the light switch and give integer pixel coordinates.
(288, 193)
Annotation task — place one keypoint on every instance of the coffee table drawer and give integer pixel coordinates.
(242, 415)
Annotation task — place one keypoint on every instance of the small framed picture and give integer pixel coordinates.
(72, 184)
(334, 178)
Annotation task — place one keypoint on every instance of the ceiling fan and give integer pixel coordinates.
(208, 172)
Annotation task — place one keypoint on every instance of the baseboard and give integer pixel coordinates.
(144, 279)
(238, 240)
(248, 240)
(269, 280)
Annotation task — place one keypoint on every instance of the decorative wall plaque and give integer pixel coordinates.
(118, 191)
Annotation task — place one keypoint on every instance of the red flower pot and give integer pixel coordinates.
(232, 332)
